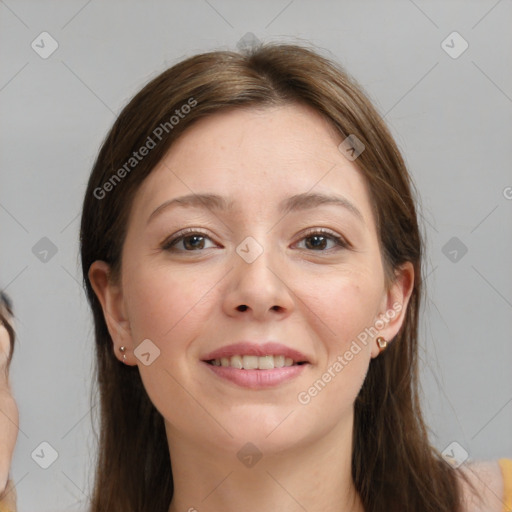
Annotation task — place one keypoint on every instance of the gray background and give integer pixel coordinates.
(451, 118)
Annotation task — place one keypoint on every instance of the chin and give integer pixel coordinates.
(271, 433)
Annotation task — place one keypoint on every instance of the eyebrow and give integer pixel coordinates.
(298, 202)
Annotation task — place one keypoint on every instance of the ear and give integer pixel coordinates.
(110, 296)
(394, 306)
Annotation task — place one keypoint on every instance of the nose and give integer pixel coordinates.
(259, 288)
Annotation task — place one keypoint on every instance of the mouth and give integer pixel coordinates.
(257, 365)
(256, 372)
(251, 362)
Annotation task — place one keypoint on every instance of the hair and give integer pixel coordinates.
(394, 467)
(6, 315)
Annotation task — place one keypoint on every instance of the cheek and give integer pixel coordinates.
(158, 302)
(346, 311)
(168, 308)
(345, 304)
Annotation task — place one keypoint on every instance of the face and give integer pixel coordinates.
(197, 278)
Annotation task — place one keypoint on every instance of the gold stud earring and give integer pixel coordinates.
(123, 350)
(382, 344)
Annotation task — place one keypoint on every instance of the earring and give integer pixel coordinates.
(123, 350)
(382, 344)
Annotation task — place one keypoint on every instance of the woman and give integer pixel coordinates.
(251, 254)
(9, 416)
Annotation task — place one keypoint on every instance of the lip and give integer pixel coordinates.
(257, 379)
(247, 348)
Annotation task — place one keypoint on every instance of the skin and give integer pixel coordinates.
(9, 419)
(187, 304)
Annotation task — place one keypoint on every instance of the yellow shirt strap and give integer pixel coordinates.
(506, 469)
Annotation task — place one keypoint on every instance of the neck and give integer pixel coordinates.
(313, 477)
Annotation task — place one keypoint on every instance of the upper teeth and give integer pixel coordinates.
(254, 362)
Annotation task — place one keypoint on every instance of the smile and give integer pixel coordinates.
(249, 362)
(256, 377)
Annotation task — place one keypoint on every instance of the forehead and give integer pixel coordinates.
(281, 134)
(256, 158)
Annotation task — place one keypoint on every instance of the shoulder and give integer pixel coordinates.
(9, 498)
(487, 478)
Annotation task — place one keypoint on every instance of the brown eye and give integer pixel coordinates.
(319, 240)
(193, 240)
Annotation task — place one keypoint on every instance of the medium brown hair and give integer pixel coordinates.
(6, 316)
(394, 467)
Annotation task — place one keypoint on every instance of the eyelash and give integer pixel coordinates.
(340, 242)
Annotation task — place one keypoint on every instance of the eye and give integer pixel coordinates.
(319, 238)
(192, 239)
